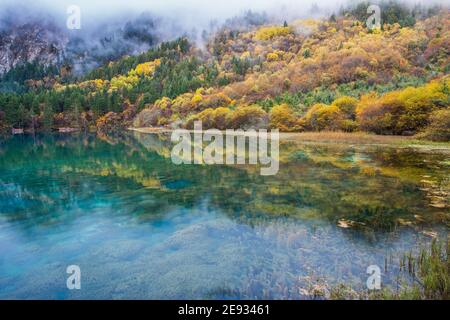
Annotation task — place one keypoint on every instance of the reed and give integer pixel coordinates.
(428, 272)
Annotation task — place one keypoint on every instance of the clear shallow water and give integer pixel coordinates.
(140, 227)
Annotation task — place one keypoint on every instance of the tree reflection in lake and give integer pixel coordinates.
(142, 227)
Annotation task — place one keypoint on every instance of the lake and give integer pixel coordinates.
(141, 227)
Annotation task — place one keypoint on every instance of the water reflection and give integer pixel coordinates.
(141, 227)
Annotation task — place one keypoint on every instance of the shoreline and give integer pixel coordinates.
(358, 138)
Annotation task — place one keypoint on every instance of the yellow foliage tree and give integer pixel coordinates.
(245, 117)
(323, 117)
(268, 33)
(282, 117)
(163, 103)
(347, 105)
(272, 56)
(405, 111)
(212, 118)
(147, 68)
(197, 98)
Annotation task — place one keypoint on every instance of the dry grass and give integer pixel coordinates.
(345, 137)
(325, 136)
(361, 138)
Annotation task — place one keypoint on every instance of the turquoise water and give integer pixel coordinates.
(141, 227)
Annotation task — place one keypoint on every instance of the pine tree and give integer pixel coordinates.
(47, 116)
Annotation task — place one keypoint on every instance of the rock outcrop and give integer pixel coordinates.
(31, 42)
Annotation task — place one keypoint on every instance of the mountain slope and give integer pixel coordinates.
(316, 74)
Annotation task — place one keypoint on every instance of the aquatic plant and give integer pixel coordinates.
(426, 276)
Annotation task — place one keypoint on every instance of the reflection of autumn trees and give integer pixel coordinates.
(323, 183)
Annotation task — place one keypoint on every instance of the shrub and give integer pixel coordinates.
(183, 104)
(163, 103)
(196, 99)
(282, 117)
(4, 128)
(212, 118)
(347, 105)
(249, 117)
(155, 115)
(323, 117)
(222, 118)
(272, 56)
(215, 101)
(378, 115)
(110, 122)
(402, 112)
(348, 125)
(439, 128)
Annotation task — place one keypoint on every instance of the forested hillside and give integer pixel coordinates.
(301, 75)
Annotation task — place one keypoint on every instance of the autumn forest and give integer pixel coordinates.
(325, 74)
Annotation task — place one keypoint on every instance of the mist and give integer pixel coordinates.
(176, 16)
(112, 28)
(188, 14)
(191, 13)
